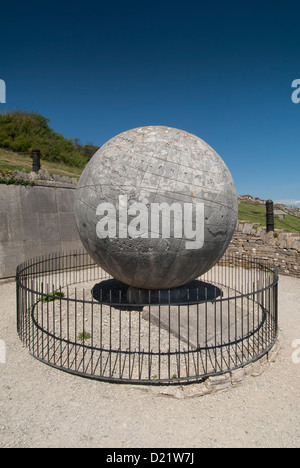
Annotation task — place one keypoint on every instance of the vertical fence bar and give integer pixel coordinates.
(206, 331)
(68, 328)
(149, 336)
(169, 338)
(188, 334)
(120, 334)
(75, 329)
(101, 334)
(83, 331)
(92, 336)
(179, 343)
(60, 328)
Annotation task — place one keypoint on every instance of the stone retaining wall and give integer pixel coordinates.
(35, 221)
(280, 248)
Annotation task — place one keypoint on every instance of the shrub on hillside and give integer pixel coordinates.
(22, 131)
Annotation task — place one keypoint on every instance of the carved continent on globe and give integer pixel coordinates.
(156, 207)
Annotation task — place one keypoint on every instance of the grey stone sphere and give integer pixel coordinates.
(156, 207)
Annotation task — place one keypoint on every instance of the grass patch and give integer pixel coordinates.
(10, 161)
(256, 214)
(84, 336)
(52, 297)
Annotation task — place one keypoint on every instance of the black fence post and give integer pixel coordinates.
(269, 216)
(36, 160)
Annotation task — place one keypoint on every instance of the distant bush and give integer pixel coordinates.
(22, 131)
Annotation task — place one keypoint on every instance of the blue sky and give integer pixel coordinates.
(221, 70)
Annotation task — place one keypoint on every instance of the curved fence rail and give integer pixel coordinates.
(74, 316)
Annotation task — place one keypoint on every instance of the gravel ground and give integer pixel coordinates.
(44, 407)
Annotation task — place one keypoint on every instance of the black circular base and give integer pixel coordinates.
(116, 293)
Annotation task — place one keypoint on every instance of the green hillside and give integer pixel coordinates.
(22, 131)
(256, 214)
(11, 161)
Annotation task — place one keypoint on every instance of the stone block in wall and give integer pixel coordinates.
(257, 232)
(37, 200)
(35, 221)
(65, 200)
(30, 226)
(49, 227)
(10, 201)
(296, 245)
(68, 227)
(247, 228)
(11, 254)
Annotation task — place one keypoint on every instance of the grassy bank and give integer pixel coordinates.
(14, 161)
(256, 214)
(21, 131)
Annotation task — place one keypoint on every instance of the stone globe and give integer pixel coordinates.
(156, 207)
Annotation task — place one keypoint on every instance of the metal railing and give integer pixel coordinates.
(72, 315)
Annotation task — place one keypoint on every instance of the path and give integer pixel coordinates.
(44, 407)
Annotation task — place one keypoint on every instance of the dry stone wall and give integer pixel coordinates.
(280, 248)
